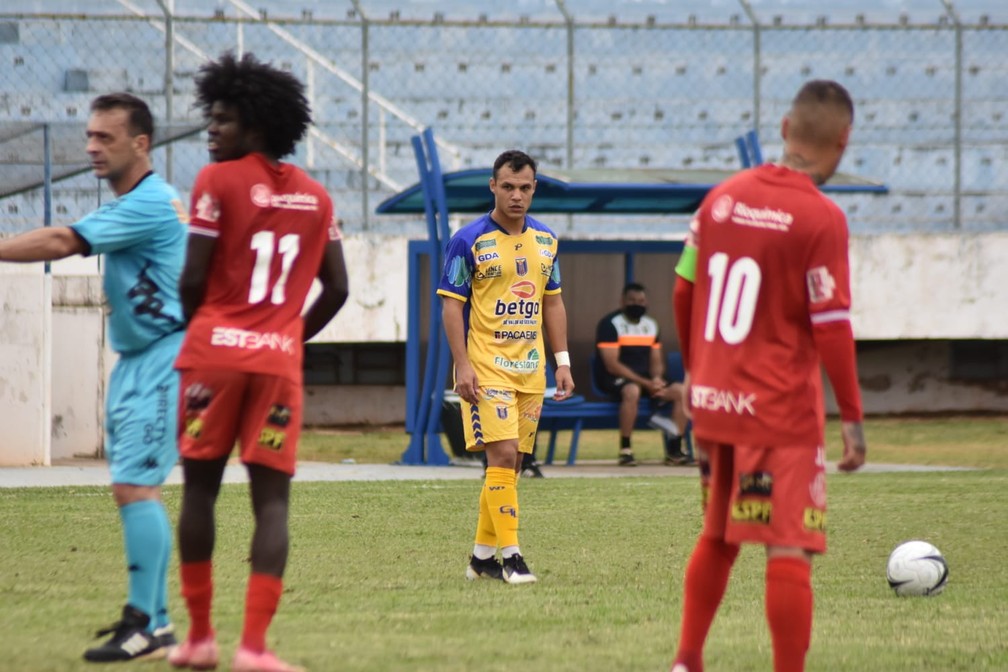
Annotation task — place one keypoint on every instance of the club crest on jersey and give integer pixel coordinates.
(521, 266)
(502, 412)
(261, 195)
(722, 208)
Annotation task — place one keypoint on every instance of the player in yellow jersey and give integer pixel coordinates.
(499, 290)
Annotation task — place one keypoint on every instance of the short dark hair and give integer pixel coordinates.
(633, 287)
(267, 99)
(140, 120)
(516, 160)
(825, 92)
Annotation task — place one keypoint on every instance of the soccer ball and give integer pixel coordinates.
(917, 568)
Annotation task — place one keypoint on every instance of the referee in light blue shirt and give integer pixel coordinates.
(142, 234)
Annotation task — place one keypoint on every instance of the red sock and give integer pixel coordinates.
(197, 590)
(260, 604)
(706, 579)
(789, 611)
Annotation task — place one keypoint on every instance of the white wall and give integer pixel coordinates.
(930, 286)
(24, 387)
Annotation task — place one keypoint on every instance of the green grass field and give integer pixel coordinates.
(375, 577)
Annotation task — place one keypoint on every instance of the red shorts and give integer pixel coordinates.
(261, 412)
(775, 496)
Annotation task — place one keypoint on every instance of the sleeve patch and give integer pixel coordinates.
(821, 284)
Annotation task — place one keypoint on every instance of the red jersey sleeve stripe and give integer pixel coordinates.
(210, 233)
(831, 316)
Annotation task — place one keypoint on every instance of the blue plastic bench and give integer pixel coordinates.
(577, 413)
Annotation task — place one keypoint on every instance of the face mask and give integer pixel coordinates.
(635, 312)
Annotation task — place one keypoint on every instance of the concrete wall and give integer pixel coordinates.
(930, 286)
(24, 386)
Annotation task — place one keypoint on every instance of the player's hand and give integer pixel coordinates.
(653, 386)
(854, 446)
(466, 383)
(564, 383)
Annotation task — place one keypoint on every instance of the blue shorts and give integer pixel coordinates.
(141, 414)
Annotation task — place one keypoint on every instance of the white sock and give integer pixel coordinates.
(508, 551)
(484, 552)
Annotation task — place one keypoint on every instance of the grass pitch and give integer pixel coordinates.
(375, 581)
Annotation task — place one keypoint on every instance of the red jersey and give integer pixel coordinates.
(272, 224)
(770, 275)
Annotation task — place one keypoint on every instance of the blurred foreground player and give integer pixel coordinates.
(261, 232)
(763, 295)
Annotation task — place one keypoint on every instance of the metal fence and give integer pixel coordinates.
(931, 119)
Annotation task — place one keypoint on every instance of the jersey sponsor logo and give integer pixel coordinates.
(509, 335)
(491, 393)
(519, 323)
(490, 272)
(817, 490)
(279, 415)
(544, 240)
(230, 337)
(509, 511)
(197, 397)
(521, 266)
(457, 272)
(519, 307)
(150, 302)
(523, 289)
(546, 270)
(821, 284)
(752, 511)
(756, 483)
(546, 253)
(761, 218)
(180, 211)
(814, 520)
(529, 364)
(483, 244)
(193, 427)
(272, 439)
(263, 197)
(486, 256)
(154, 432)
(721, 209)
(207, 208)
(713, 399)
(518, 246)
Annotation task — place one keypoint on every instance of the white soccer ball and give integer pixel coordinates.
(917, 568)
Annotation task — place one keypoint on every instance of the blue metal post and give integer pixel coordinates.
(435, 453)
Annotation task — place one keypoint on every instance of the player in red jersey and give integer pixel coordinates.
(762, 297)
(261, 232)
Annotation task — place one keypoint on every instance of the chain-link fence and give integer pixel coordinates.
(567, 82)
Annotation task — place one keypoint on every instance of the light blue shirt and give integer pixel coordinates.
(143, 237)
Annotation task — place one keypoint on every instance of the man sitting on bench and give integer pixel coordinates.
(630, 363)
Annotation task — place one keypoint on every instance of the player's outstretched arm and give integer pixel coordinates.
(46, 244)
(854, 446)
(332, 274)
